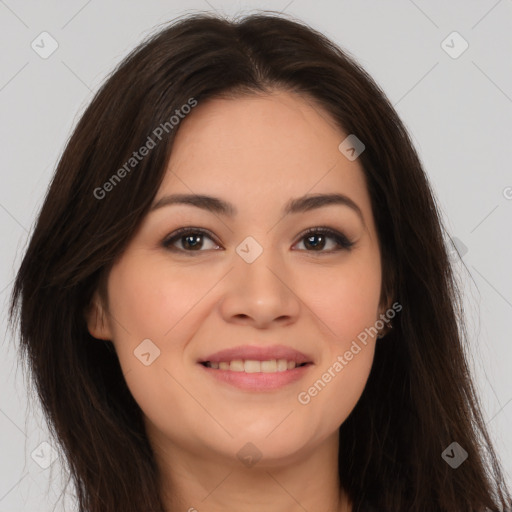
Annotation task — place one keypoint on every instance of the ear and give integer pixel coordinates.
(384, 307)
(97, 319)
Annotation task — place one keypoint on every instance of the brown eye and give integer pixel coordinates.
(188, 240)
(316, 239)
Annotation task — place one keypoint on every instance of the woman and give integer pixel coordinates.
(237, 295)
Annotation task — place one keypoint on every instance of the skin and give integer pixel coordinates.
(256, 152)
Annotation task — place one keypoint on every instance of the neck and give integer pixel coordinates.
(194, 482)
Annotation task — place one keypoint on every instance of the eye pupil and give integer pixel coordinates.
(192, 241)
(310, 241)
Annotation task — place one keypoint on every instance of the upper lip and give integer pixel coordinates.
(258, 353)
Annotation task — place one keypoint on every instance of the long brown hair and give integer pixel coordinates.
(419, 397)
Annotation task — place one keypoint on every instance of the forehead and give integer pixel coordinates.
(259, 147)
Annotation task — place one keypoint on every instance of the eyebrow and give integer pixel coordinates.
(298, 205)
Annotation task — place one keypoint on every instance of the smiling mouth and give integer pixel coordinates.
(254, 366)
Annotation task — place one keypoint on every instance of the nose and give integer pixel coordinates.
(260, 293)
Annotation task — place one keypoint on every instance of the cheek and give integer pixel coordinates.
(150, 300)
(345, 299)
(153, 302)
(346, 302)
(336, 386)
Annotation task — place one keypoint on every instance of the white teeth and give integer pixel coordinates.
(237, 366)
(282, 365)
(269, 366)
(253, 366)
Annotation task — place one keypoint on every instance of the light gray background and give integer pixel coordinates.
(458, 111)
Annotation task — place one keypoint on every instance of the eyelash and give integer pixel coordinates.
(341, 240)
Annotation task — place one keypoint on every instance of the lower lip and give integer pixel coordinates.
(258, 381)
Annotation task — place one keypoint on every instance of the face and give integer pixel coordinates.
(249, 325)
